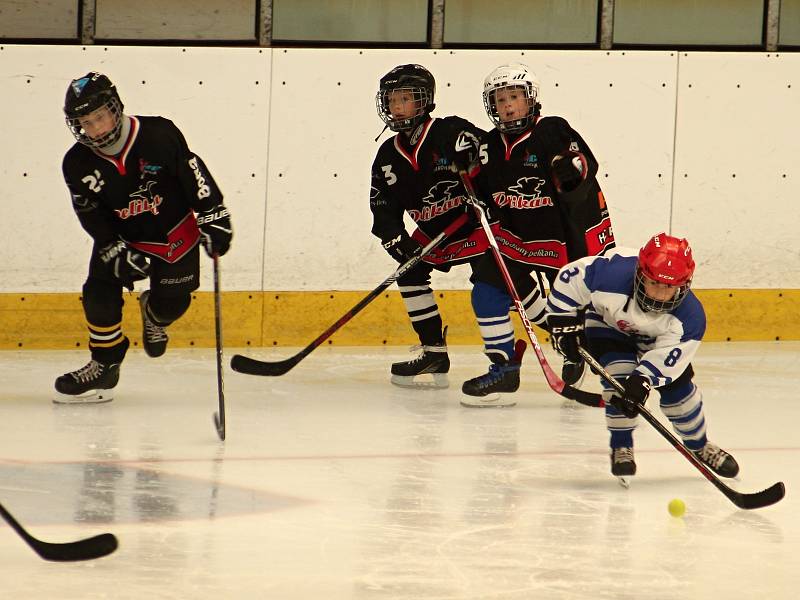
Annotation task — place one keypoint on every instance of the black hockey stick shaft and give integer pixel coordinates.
(251, 366)
(219, 417)
(553, 380)
(87, 549)
(771, 495)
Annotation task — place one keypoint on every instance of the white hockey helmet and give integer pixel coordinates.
(515, 75)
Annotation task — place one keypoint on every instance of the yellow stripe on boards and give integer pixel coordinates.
(56, 321)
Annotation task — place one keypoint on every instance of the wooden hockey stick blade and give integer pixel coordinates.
(251, 366)
(582, 397)
(87, 549)
(767, 497)
(220, 426)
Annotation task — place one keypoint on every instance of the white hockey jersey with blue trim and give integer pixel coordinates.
(666, 342)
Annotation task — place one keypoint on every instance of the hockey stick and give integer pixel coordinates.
(251, 366)
(87, 549)
(553, 380)
(766, 497)
(219, 417)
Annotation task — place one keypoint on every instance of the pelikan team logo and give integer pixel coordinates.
(438, 201)
(142, 200)
(526, 193)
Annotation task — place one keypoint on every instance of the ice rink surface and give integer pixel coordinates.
(335, 484)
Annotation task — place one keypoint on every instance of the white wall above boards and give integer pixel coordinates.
(736, 180)
(323, 126)
(321, 151)
(217, 97)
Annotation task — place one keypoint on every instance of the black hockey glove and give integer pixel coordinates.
(402, 247)
(215, 230)
(465, 151)
(567, 171)
(125, 263)
(566, 333)
(637, 388)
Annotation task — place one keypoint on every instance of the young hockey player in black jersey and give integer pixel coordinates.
(135, 188)
(538, 177)
(413, 173)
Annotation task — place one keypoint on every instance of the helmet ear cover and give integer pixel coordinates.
(419, 82)
(667, 260)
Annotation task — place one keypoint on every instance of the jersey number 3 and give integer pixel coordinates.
(391, 178)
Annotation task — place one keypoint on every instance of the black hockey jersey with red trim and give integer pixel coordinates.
(538, 224)
(145, 195)
(415, 176)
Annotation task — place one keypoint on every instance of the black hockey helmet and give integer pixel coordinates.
(415, 79)
(86, 95)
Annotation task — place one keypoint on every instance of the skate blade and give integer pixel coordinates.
(440, 382)
(624, 481)
(90, 397)
(489, 401)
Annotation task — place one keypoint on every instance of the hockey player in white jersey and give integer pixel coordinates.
(644, 325)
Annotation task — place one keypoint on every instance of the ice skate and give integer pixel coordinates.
(622, 465)
(154, 337)
(91, 384)
(719, 461)
(433, 360)
(502, 378)
(572, 373)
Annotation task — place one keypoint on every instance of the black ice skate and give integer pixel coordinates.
(622, 464)
(433, 360)
(154, 337)
(572, 373)
(91, 384)
(503, 377)
(716, 459)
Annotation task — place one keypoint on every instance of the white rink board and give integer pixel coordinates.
(320, 160)
(741, 116)
(224, 120)
(288, 134)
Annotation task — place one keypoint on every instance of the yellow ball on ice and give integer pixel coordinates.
(676, 507)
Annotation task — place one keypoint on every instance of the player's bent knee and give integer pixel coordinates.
(167, 309)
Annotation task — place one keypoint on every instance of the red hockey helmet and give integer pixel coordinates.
(667, 260)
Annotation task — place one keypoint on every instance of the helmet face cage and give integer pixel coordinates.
(114, 107)
(413, 79)
(85, 95)
(648, 304)
(421, 97)
(511, 77)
